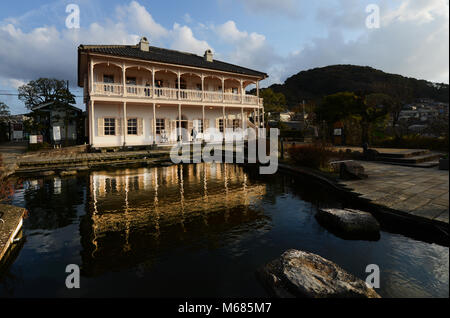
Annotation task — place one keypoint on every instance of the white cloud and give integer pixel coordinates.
(187, 18)
(413, 40)
(138, 19)
(290, 8)
(183, 39)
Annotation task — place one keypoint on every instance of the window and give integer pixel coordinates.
(234, 90)
(235, 124)
(199, 87)
(200, 126)
(160, 125)
(132, 126)
(131, 80)
(221, 125)
(108, 79)
(159, 83)
(110, 126)
(182, 83)
(131, 85)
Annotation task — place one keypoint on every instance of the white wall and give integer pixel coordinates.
(145, 111)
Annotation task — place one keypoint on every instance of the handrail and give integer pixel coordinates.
(168, 93)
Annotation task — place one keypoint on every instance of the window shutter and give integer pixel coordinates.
(206, 124)
(100, 127)
(217, 123)
(167, 127)
(140, 126)
(119, 126)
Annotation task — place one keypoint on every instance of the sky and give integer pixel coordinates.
(279, 37)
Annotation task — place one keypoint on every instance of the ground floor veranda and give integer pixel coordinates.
(117, 124)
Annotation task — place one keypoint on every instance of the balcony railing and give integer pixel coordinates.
(165, 93)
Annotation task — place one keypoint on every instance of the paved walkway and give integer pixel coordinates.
(9, 152)
(416, 191)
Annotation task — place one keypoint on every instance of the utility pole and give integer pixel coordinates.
(303, 110)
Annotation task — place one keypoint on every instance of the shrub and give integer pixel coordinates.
(311, 155)
(38, 146)
(415, 142)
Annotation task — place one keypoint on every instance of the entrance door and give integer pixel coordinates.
(185, 134)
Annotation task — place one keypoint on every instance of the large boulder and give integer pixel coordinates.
(351, 170)
(302, 274)
(350, 224)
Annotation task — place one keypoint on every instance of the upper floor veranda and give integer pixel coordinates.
(106, 76)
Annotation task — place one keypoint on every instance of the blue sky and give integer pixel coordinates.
(279, 37)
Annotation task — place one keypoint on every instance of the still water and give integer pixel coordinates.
(193, 230)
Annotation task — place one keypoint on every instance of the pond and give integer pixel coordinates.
(194, 230)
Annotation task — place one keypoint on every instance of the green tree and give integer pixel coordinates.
(4, 119)
(4, 112)
(372, 109)
(44, 90)
(49, 90)
(365, 109)
(273, 102)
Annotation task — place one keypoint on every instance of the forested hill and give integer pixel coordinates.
(318, 82)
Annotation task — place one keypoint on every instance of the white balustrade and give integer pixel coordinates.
(108, 89)
(211, 96)
(166, 93)
(232, 98)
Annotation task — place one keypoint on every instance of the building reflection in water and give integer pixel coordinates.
(134, 215)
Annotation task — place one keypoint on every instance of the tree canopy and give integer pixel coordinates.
(316, 83)
(273, 102)
(45, 90)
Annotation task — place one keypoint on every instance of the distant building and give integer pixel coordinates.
(139, 95)
(16, 128)
(64, 121)
(282, 116)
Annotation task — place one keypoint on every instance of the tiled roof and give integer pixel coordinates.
(157, 54)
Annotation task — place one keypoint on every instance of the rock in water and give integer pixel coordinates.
(350, 170)
(348, 223)
(301, 274)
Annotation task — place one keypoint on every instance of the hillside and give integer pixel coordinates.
(318, 82)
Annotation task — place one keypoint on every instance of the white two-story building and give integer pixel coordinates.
(139, 95)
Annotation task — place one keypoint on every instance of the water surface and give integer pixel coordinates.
(193, 230)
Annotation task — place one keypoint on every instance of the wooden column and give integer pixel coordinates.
(125, 123)
(153, 82)
(91, 122)
(203, 121)
(91, 79)
(179, 85)
(242, 93)
(203, 88)
(223, 122)
(223, 89)
(179, 122)
(124, 79)
(154, 124)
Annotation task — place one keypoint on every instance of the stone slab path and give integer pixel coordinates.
(416, 191)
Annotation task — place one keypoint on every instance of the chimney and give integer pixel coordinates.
(143, 44)
(208, 55)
